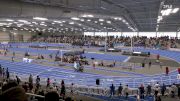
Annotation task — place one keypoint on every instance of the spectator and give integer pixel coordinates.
(120, 90)
(150, 64)
(179, 91)
(156, 89)
(149, 89)
(158, 56)
(179, 70)
(25, 86)
(63, 89)
(14, 94)
(163, 89)
(7, 75)
(30, 79)
(18, 79)
(143, 64)
(38, 82)
(141, 90)
(12, 58)
(48, 82)
(112, 90)
(55, 83)
(52, 96)
(114, 63)
(167, 71)
(126, 91)
(72, 89)
(14, 54)
(8, 85)
(1, 70)
(173, 90)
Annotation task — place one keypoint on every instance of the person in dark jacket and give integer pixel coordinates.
(120, 90)
(141, 90)
(163, 89)
(148, 89)
(112, 90)
(63, 89)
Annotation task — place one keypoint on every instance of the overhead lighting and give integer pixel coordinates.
(119, 18)
(40, 18)
(15, 22)
(58, 21)
(115, 18)
(75, 18)
(175, 10)
(71, 23)
(87, 15)
(89, 20)
(24, 21)
(101, 20)
(3, 24)
(82, 20)
(167, 12)
(42, 24)
(90, 15)
(19, 25)
(14, 29)
(109, 22)
(95, 21)
(10, 20)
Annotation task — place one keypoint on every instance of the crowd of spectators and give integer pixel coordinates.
(13, 89)
(156, 90)
(152, 42)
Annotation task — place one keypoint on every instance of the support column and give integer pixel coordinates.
(61, 56)
(156, 33)
(176, 34)
(106, 42)
(131, 43)
(138, 33)
(121, 33)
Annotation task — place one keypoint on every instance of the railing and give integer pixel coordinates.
(133, 83)
(33, 97)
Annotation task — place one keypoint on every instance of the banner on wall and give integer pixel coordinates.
(5, 43)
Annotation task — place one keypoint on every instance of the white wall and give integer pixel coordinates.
(4, 36)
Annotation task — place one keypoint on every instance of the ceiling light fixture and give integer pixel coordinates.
(101, 20)
(87, 16)
(10, 20)
(56, 21)
(24, 21)
(82, 20)
(75, 18)
(109, 22)
(175, 10)
(40, 18)
(71, 23)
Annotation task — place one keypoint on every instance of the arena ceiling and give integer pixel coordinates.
(90, 15)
